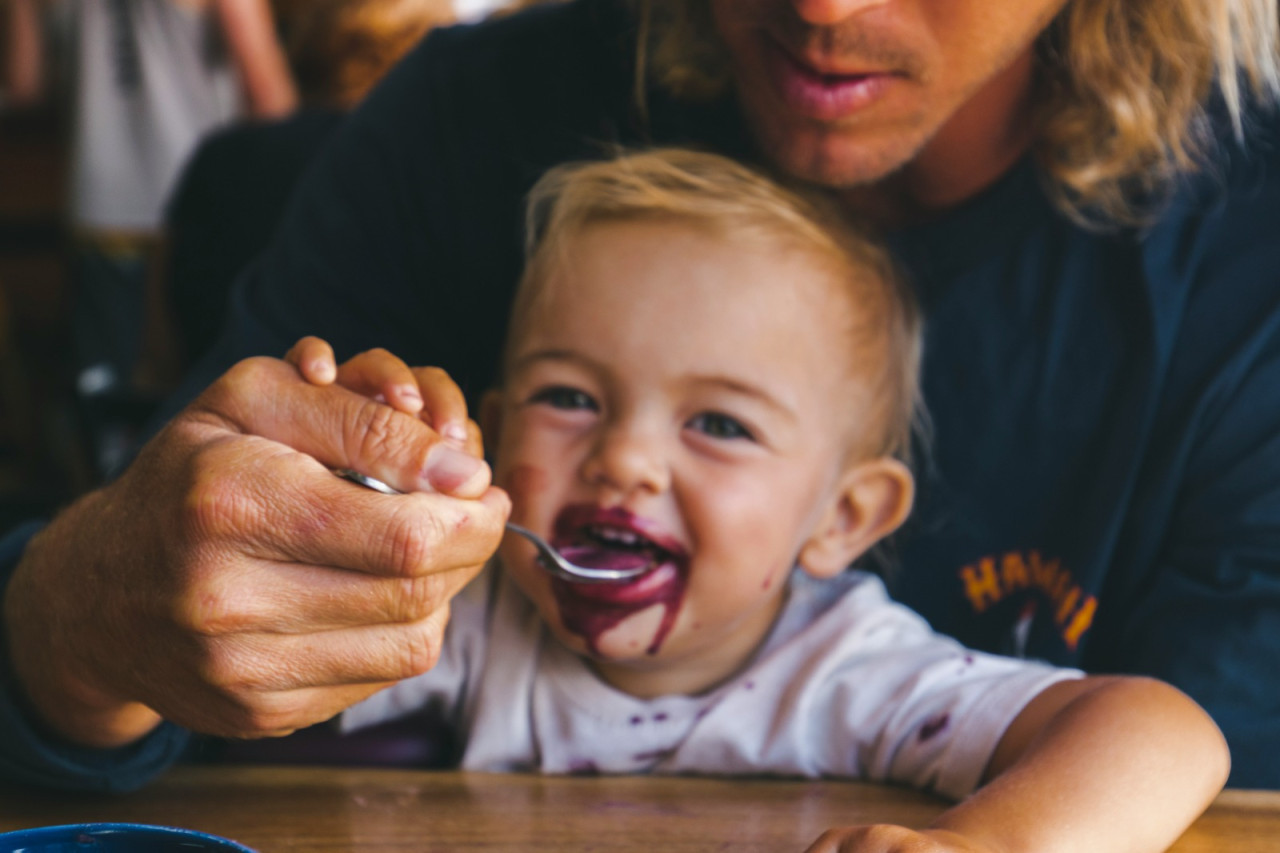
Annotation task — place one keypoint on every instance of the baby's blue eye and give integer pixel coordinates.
(564, 397)
(720, 426)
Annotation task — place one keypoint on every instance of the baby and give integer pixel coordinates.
(714, 379)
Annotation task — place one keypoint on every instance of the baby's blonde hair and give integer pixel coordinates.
(715, 193)
(1121, 96)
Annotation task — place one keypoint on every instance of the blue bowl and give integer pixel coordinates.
(115, 838)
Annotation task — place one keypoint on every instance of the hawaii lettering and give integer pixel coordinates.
(992, 579)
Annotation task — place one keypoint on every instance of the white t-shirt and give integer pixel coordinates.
(150, 79)
(848, 684)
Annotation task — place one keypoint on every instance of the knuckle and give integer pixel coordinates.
(265, 717)
(422, 652)
(225, 670)
(412, 538)
(208, 610)
(249, 375)
(252, 707)
(216, 506)
(438, 377)
(417, 598)
(410, 600)
(380, 431)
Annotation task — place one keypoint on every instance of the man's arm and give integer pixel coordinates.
(263, 593)
(1099, 764)
(255, 49)
(1205, 616)
(29, 756)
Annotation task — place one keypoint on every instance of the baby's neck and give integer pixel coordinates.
(693, 675)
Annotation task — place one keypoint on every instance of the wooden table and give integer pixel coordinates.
(306, 809)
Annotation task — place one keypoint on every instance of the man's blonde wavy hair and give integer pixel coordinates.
(1124, 87)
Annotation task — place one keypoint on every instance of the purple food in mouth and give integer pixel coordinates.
(605, 557)
(616, 539)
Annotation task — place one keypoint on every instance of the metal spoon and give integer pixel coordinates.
(549, 558)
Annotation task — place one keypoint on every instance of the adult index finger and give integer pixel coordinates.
(275, 504)
(340, 428)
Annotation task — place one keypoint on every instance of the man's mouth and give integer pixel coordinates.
(820, 93)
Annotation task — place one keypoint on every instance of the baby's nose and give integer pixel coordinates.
(626, 460)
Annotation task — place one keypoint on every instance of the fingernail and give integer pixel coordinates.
(322, 370)
(455, 432)
(450, 470)
(409, 394)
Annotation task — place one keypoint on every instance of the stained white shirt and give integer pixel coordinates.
(848, 684)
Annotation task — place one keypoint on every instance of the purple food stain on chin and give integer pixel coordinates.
(636, 720)
(590, 610)
(934, 726)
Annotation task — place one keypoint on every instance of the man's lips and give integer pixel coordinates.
(818, 94)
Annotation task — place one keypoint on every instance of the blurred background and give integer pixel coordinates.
(131, 133)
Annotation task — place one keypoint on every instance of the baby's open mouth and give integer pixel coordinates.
(614, 538)
(603, 546)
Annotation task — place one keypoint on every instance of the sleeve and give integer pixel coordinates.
(863, 689)
(949, 717)
(1206, 615)
(29, 756)
(905, 704)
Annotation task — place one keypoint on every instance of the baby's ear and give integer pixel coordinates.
(491, 419)
(874, 498)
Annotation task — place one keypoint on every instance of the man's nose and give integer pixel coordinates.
(821, 13)
(625, 460)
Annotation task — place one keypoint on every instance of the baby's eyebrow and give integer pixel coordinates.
(745, 389)
(549, 355)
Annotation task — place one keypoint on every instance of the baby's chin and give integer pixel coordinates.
(632, 638)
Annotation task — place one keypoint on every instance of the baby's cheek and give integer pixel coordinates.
(525, 483)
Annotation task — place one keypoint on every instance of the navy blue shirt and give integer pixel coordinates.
(1102, 485)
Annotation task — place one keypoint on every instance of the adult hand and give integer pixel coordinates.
(230, 583)
(425, 392)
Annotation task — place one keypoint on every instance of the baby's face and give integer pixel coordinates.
(682, 399)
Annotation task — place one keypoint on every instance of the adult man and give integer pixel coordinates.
(1102, 485)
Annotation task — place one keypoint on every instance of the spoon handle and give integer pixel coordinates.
(548, 557)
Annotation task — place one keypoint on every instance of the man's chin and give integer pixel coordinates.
(838, 159)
